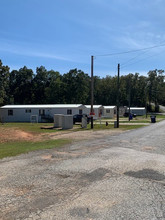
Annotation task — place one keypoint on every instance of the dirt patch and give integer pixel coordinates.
(14, 134)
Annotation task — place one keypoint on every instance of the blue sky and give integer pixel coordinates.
(63, 34)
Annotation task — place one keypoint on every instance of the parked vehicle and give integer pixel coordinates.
(78, 118)
(126, 114)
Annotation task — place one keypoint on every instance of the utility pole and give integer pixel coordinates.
(91, 113)
(118, 88)
(129, 99)
(146, 100)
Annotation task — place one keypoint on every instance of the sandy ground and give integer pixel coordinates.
(13, 134)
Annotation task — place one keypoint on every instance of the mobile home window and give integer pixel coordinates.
(80, 111)
(69, 111)
(10, 112)
(28, 110)
(41, 111)
(108, 111)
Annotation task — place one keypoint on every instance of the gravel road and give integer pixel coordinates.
(116, 177)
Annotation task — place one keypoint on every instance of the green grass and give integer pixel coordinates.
(148, 116)
(160, 116)
(138, 119)
(129, 127)
(10, 149)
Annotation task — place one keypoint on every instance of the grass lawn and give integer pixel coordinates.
(138, 119)
(111, 126)
(9, 149)
(129, 127)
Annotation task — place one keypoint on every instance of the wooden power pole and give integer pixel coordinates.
(91, 113)
(129, 98)
(118, 88)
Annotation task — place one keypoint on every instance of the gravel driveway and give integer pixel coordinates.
(121, 176)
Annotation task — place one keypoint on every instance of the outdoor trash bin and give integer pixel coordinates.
(130, 117)
(115, 124)
(153, 118)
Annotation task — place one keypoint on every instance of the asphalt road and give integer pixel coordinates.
(118, 177)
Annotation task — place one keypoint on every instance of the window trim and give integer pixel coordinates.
(80, 111)
(69, 111)
(10, 112)
(41, 112)
(27, 110)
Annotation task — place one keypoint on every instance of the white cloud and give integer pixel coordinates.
(24, 49)
(140, 40)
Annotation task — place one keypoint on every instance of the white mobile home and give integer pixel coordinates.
(109, 111)
(137, 110)
(98, 110)
(122, 110)
(23, 113)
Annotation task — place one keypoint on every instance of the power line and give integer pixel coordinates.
(130, 51)
(141, 60)
(128, 61)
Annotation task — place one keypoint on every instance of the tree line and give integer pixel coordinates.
(23, 86)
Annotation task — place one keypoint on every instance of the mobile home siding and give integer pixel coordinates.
(109, 111)
(98, 110)
(138, 111)
(22, 113)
